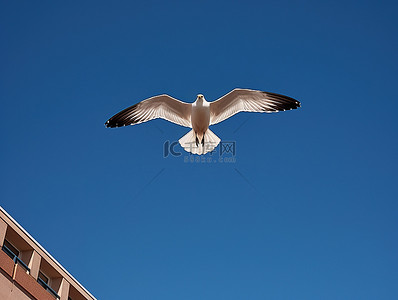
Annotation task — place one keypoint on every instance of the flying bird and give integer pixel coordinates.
(200, 114)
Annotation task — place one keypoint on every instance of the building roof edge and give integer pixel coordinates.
(45, 251)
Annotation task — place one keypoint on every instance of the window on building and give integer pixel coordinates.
(10, 249)
(43, 280)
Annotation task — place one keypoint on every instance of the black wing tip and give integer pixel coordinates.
(115, 123)
(122, 118)
(111, 124)
(296, 104)
(288, 103)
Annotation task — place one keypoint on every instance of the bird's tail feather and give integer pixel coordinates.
(209, 142)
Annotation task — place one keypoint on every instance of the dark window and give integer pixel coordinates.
(10, 249)
(13, 252)
(43, 280)
(43, 277)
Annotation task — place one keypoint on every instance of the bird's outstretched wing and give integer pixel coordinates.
(248, 100)
(162, 106)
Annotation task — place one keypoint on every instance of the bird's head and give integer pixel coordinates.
(200, 96)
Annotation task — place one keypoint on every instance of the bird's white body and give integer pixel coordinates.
(201, 114)
(200, 139)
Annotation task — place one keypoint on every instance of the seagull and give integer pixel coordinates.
(200, 114)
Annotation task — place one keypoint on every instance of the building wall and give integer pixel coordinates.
(21, 282)
(10, 292)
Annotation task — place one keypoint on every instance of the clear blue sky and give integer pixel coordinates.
(308, 211)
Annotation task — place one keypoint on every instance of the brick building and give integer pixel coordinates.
(28, 271)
